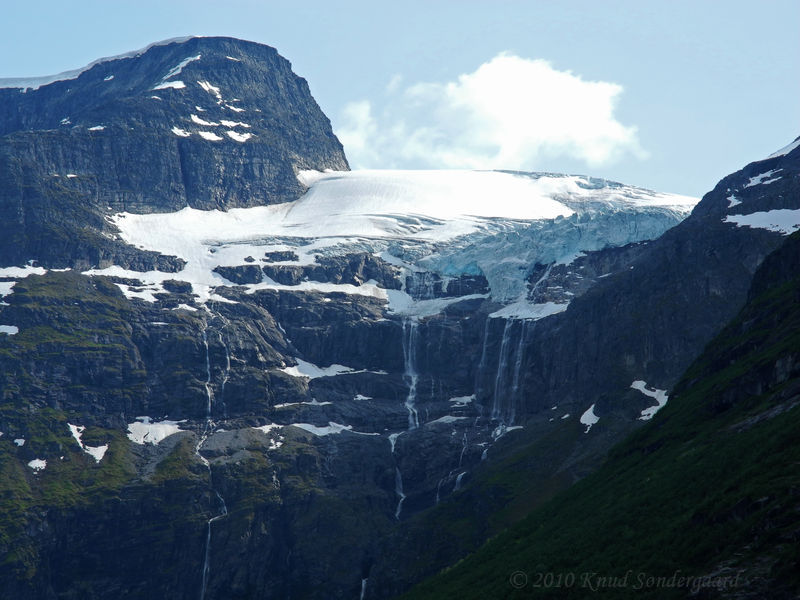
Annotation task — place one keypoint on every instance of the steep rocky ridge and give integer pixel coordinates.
(646, 322)
(702, 502)
(204, 122)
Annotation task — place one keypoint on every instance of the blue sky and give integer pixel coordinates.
(666, 95)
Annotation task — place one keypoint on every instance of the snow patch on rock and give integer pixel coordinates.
(782, 220)
(660, 396)
(174, 85)
(96, 452)
(785, 150)
(38, 464)
(588, 418)
(763, 179)
(330, 429)
(524, 310)
(312, 371)
(209, 135)
(34, 83)
(239, 137)
(146, 431)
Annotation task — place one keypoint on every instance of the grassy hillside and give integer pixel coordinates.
(704, 499)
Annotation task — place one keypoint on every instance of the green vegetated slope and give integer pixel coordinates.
(74, 344)
(704, 500)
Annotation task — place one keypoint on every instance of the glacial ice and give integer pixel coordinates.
(448, 222)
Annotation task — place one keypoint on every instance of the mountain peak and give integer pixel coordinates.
(200, 110)
(209, 43)
(208, 123)
(34, 83)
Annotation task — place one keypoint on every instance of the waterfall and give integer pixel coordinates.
(515, 392)
(208, 429)
(205, 561)
(393, 440)
(209, 391)
(398, 477)
(449, 476)
(540, 281)
(223, 512)
(439, 489)
(502, 367)
(225, 376)
(464, 443)
(209, 424)
(482, 366)
(223, 508)
(398, 488)
(458, 481)
(424, 286)
(411, 376)
(363, 589)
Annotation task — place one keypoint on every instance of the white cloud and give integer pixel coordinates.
(510, 113)
(360, 130)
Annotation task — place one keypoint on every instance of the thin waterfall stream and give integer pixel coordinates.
(208, 429)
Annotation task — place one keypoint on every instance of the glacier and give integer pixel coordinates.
(447, 222)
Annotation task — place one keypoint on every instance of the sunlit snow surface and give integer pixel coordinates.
(21, 272)
(312, 371)
(146, 431)
(434, 205)
(764, 178)
(785, 150)
(329, 429)
(733, 201)
(782, 220)
(449, 222)
(35, 83)
(7, 288)
(96, 452)
(38, 464)
(175, 85)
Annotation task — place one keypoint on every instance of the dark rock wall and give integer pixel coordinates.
(136, 163)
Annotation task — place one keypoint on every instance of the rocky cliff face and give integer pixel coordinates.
(201, 122)
(702, 503)
(629, 339)
(255, 393)
(648, 321)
